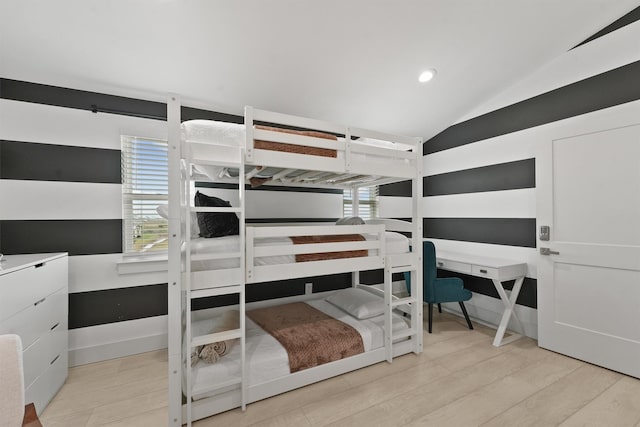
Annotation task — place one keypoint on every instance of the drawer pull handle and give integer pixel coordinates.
(39, 265)
(483, 271)
(55, 326)
(54, 360)
(40, 301)
(440, 264)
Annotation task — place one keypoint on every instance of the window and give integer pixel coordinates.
(367, 201)
(144, 187)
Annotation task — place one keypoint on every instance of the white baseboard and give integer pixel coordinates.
(113, 340)
(488, 311)
(114, 350)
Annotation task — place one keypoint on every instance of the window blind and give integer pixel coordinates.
(144, 187)
(367, 202)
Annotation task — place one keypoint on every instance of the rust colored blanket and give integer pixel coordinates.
(299, 149)
(310, 337)
(299, 240)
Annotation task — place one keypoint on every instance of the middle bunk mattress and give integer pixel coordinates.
(395, 243)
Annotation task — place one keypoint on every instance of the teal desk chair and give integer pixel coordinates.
(439, 290)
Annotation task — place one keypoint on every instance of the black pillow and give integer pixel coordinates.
(216, 224)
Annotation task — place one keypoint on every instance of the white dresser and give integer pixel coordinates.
(34, 304)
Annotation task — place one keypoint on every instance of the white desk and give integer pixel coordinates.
(498, 270)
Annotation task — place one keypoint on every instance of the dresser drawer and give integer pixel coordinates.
(459, 267)
(37, 319)
(23, 288)
(34, 359)
(48, 383)
(44, 352)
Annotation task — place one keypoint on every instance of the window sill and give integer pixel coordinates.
(142, 264)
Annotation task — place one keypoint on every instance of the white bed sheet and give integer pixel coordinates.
(396, 243)
(267, 359)
(232, 134)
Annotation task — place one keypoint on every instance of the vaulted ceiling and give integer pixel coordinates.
(351, 61)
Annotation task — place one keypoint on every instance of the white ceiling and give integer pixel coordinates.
(351, 61)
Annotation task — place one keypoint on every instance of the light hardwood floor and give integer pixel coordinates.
(459, 380)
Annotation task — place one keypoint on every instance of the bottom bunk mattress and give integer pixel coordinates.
(396, 243)
(267, 359)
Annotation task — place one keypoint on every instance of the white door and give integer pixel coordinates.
(588, 193)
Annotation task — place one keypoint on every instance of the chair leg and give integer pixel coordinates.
(466, 315)
(439, 308)
(430, 316)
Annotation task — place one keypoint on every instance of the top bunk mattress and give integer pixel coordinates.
(233, 134)
(197, 135)
(395, 243)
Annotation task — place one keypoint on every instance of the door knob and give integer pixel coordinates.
(547, 251)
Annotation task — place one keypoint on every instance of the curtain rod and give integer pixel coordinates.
(95, 109)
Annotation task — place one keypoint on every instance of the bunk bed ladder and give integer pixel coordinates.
(409, 304)
(192, 342)
(413, 303)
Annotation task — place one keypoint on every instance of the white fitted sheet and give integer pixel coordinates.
(267, 359)
(396, 243)
(232, 134)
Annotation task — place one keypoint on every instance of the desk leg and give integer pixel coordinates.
(509, 304)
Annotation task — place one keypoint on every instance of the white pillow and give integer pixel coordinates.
(221, 133)
(214, 173)
(384, 144)
(350, 220)
(163, 211)
(357, 302)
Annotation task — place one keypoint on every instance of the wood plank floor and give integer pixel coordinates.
(459, 380)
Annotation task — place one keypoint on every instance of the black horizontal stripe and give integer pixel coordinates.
(116, 305)
(95, 102)
(613, 87)
(528, 294)
(375, 277)
(283, 220)
(231, 186)
(80, 99)
(278, 289)
(49, 162)
(189, 113)
(627, 19)
(503, 176)
(498, 231)
(400, 189)
(75, 236)
(38, 93)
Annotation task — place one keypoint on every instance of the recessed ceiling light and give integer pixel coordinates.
(427, 75)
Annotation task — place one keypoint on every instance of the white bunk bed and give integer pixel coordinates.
(262, 253)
